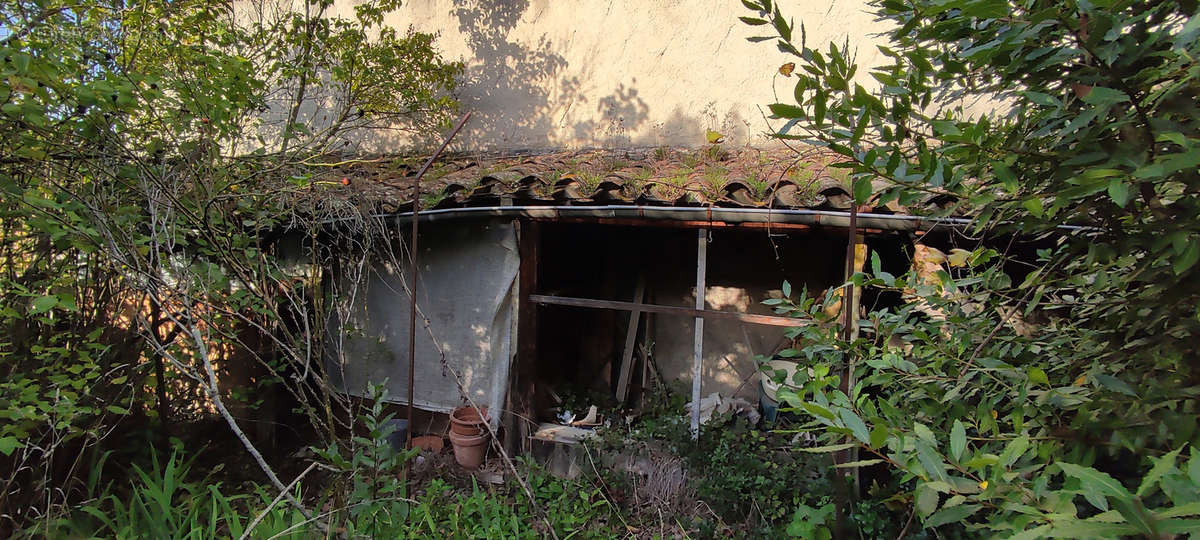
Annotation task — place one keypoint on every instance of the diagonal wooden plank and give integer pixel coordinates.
(630, 336)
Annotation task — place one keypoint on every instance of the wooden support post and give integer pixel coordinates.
(860, 259)
(856, 255)
(524, 372)
(630, 338)
(698, 346)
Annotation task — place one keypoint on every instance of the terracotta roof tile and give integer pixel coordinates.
(778, 178)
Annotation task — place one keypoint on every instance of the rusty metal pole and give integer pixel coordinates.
(412, 290)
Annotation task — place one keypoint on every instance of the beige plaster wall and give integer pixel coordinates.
(617, 73)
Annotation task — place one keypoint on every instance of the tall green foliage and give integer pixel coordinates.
(149, 151)
(1094, 125)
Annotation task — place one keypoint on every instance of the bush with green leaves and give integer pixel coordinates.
(152, 154)
(1060, 400)
(979, 431)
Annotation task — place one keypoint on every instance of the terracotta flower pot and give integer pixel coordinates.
(468, 420)
(469, 449)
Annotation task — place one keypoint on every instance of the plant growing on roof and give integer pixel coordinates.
(758, 183)
(714, 181)
(1101, 131)
(636, 184)
(673, 186)
(588, 180)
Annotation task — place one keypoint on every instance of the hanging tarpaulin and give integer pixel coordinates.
(468, 276)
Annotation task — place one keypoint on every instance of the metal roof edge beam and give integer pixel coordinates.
(827, 218)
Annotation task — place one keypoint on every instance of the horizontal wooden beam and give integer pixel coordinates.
(750, 318)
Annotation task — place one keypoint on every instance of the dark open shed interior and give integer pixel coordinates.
(579, 350)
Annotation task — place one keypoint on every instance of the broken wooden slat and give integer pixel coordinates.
(750, 318)
(630, 336)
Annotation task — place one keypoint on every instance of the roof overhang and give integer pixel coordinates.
(697, 217)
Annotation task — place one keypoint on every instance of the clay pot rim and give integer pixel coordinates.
(468, 440)
(480, 412)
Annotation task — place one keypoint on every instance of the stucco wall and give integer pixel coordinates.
(617, 73)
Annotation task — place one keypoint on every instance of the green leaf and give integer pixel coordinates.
(1037, 376)
(817, 410)
(43, 304)
(1162, 466)
(855, 464)
(1087, 529)
(863, 190)
(829, 448)
(931, 461)
(1102, 96)
(1006, 176)
(1034, 205)
(1045, 100)
(783, 110)
(856, 425)
(922, 431)
(1194, 466)
(1178, 527)
(1095, 481)
(1135, 513)
(982, 460)
(879, 437)
(927, 500)
(1119, 191)
(1115, 384)
(958, 440)
(953, 514)
(1187, 259)
(8, 444)
(1189, 509)
(945, 127)
(1036, 533)
(1014, 450)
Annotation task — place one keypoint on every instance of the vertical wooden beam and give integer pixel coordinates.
(860, 259)
(630, 337)
(856, 253)
(524, 371)
(698, 344)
